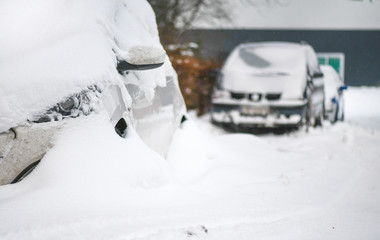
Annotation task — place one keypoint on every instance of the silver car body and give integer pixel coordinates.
(268, 84)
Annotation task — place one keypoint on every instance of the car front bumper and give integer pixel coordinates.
(267, 115)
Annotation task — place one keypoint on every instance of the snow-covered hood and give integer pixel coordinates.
(290, 86)
(268, 67)
(53, 49)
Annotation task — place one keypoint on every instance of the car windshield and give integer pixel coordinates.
(268, 60)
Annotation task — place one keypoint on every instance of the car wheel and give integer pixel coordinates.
(311, 120)
(336, 118)
(318, 121)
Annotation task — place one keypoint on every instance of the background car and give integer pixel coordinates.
(70, 71)
(334, 98)
(269, 85)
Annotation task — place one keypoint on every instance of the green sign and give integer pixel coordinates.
(335, 63)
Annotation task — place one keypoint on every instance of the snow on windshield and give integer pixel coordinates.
(266, 67)
(262, 60)
(53, 49)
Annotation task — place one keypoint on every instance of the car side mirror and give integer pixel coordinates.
(317, 75)
(141, 58)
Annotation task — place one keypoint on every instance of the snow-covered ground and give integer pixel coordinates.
(214, 185)
(92, 184)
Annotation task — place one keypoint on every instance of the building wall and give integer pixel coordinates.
(361, 48)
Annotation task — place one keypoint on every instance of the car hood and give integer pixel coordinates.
(290, 86)
(53, 49)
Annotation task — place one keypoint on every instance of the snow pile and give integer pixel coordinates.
(54, 49)
(83, 179)
(321, 184)
(362, 106)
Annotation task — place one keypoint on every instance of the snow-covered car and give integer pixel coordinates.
(269, 85)
(59, 64)
(334, 99)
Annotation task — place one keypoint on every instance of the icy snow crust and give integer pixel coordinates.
(266, 67)
(53, 49)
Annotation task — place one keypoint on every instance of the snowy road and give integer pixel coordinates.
(317, 185)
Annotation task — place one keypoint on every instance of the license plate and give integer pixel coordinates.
(254, 110)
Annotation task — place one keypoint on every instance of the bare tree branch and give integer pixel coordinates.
(174, 17)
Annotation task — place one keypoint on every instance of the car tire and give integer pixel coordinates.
(318, 121)
(336, 118)
(310, 118)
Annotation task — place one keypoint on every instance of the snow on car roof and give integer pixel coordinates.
(52, 49)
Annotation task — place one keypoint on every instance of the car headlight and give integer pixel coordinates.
(70, 104)
(82, 103)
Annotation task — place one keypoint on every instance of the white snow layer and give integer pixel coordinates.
(53, 49)
(96, 185)
(266, 67)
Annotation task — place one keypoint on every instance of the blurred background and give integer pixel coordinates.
(198, 35)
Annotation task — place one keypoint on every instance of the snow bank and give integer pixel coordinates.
(82, 177)
(96, 185)
(362, 108)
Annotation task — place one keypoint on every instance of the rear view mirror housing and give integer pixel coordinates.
(317, 75)
(141, 58)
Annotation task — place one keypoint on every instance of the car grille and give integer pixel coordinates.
(238, 96)
(255, 97)
(272, 96)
